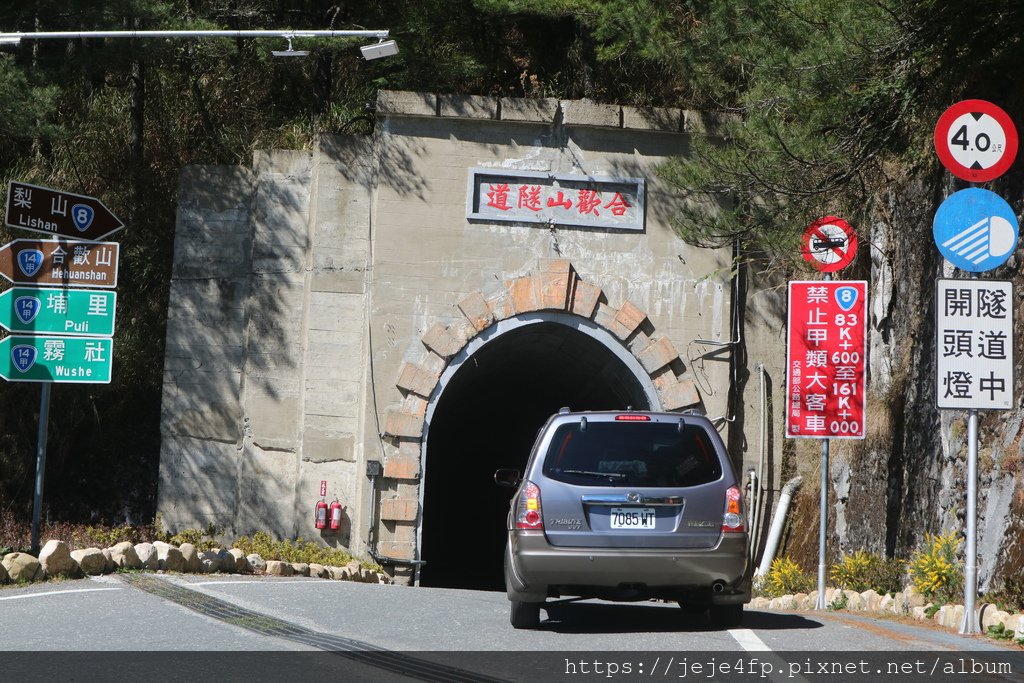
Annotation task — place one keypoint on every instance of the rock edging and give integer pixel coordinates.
(908, 603)
(55, 559)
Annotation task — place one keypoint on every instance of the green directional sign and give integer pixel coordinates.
(72, 360)
(76, 312)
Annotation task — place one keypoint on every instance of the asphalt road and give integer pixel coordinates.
(234, 624)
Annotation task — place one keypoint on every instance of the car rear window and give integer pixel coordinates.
(632, 454)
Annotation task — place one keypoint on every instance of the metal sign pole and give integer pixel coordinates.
(822, 525)
(823, 516)
(970, 621)
(37, 501)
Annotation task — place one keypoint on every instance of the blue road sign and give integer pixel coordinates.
(975, 230)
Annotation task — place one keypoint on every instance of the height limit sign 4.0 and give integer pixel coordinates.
(825, 359)
(976, 140)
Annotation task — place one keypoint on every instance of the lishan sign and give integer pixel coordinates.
(825, 361)
(553, 199)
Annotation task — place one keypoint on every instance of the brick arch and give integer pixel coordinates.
(553, 286)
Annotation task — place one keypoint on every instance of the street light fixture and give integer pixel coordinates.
(382, 48)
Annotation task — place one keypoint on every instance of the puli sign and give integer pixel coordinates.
(825, 363)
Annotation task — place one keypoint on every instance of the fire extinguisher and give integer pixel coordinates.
(336, 509)
(321, 514)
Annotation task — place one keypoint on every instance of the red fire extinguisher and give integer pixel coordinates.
(321, 514)
(336, 509)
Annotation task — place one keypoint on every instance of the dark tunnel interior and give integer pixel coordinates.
(486, 418)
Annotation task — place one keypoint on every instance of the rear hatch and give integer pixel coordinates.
(633, 481)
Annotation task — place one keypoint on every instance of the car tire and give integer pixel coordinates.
(524, 614)
(726, 616)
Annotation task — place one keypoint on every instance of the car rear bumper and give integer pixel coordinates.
(535, 570)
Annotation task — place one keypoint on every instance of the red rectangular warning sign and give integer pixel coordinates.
(825, 359)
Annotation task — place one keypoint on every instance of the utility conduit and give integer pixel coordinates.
(778, 522)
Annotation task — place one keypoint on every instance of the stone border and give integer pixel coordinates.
(908, 603)
(55, 559)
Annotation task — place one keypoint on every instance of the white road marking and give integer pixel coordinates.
(748, 640)
(47, 593)
(235, 583)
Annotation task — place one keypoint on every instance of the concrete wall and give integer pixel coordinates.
(317, 298)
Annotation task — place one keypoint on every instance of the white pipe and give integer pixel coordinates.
(757, 492)
(261, 33)
(778, 522)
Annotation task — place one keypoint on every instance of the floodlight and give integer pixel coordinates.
(384, 48)
(290, 52)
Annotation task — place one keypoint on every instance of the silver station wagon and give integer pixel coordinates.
(627, 506)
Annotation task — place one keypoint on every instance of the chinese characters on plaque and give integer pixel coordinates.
(551, 199)
(825, 363)
(974, 344)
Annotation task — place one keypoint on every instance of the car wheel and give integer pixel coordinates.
(524, 614)
(726, 615)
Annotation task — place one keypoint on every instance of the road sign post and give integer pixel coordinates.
(72, 360)
(54, 212)
(975, 140)
(976, 231)
(825, 368)
(71, 312)
(62, 263)
(829, 244)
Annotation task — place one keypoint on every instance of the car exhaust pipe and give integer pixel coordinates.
(718, 586)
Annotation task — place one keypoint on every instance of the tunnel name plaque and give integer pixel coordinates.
(555, 199)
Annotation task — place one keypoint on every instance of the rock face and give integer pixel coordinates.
(90, 560)
(22, 567)
(278, 568)
(124, 556)
(56, 559)
(237, 558)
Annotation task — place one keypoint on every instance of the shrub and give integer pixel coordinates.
(1010, 596)
(934, 569)
(862, 570)
(299, 550)
(785, 577)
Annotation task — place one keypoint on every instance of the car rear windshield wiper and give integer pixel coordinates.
(607, 475)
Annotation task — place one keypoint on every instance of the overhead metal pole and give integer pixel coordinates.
(262, 33)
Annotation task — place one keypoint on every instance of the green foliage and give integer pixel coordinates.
(785, 577)
(202, 539)
(839, 602)
(1000, 632)
(935, 570)
(299, 550)
(1010, 596)
(863, 570)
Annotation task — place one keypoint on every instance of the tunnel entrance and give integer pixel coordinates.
(487, 417)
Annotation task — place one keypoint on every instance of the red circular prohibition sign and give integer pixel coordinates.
(976, 140)
(829, 244)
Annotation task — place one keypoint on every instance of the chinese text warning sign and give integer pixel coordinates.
(974, 330)
(825, 360)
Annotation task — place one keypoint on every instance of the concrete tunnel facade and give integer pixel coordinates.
(386, 320)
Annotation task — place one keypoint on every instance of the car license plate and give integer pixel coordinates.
(632, 518)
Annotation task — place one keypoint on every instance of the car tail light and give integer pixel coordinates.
(528, 513)
(732, 520)
(633, 418)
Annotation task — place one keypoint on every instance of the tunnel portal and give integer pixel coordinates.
(487, 417)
